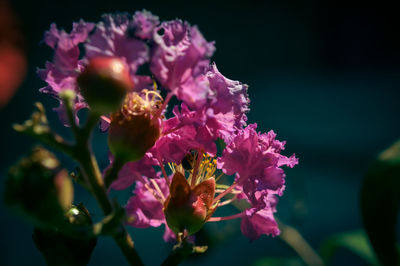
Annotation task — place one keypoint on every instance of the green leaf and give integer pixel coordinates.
(355, 241)
(380, 198)
(272, 261)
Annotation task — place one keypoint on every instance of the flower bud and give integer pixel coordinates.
(188, 208)
(104, 83)
(37, 188)
(134, 129)
(70, 244)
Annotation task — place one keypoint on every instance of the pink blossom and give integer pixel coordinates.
(211, 107)
(253, 155)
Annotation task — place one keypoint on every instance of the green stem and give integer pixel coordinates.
(93, 177)
(53, 140)
(125, 243)
(178, 254)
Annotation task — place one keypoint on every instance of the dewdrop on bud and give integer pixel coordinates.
(104, 83)
(136, 127)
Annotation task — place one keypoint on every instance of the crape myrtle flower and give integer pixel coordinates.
(256, 160)
(171, 158)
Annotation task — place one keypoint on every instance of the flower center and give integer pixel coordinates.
(147, 102)
(199, 169)
(207, 168)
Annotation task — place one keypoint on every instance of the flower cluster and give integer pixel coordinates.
(171, 157)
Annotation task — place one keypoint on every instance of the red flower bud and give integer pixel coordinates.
(129, 139)
(104, 83)
(134, 129)
(189, 208)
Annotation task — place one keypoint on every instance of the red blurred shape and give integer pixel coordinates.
(12, 57)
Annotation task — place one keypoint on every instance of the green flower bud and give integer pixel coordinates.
(188, 208)
(38, 189)
(104, 84)
(70, 244)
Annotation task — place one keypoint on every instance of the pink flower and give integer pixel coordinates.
(211, 107)
(253, 156)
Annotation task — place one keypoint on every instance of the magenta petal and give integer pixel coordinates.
(228, 96)
(273, 178)
(143, 208)
(257, 223)
(184, 132)
(134, 171)
(180, 56)
(169, 235)
(111, 39)
(62, 72)
(66, 45)
(144, 23)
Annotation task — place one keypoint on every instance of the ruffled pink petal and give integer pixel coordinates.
(144, 23)
(259, 222)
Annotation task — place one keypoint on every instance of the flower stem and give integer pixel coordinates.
(82, 153)
(93, 177)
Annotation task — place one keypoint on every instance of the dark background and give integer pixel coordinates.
(324, 76)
